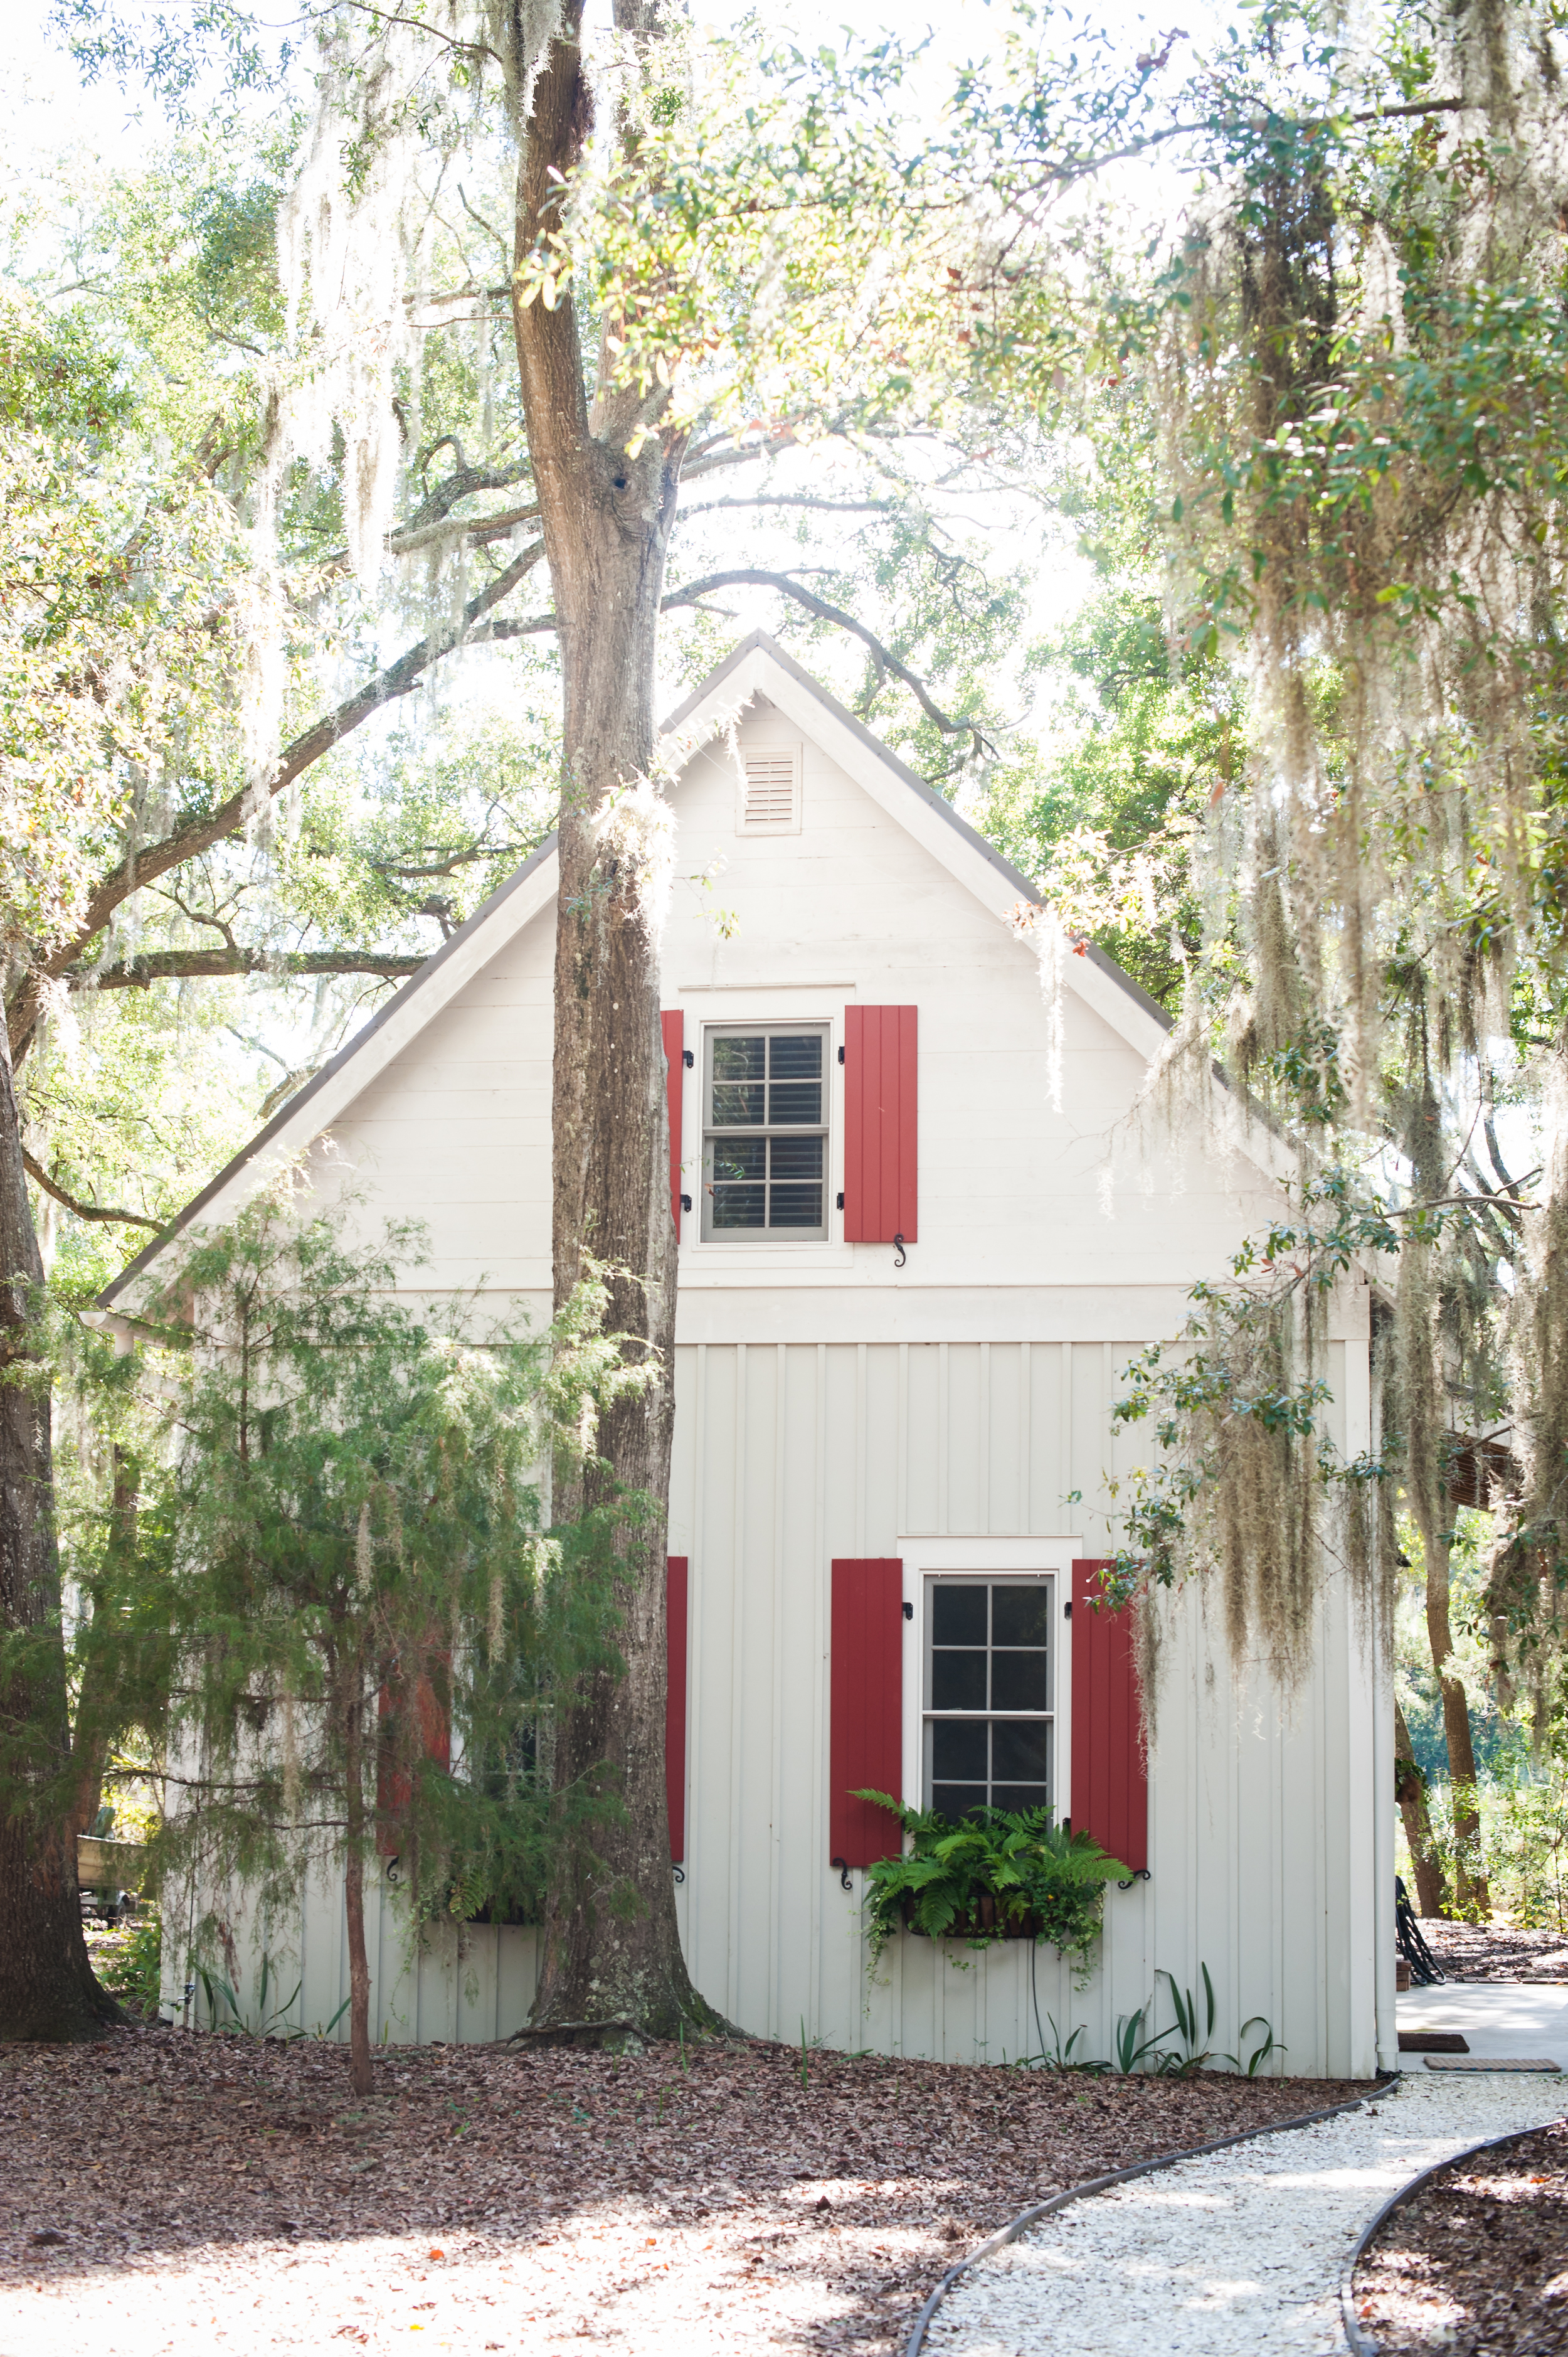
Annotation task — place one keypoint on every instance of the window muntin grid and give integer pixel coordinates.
(988, 1722)
(764, 1131)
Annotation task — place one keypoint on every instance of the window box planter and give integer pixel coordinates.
(983, 1923)
(997, 1873)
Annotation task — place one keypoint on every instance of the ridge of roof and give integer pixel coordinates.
(759, 642)
(755, 643)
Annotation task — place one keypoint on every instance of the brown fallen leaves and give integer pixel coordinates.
(1494, 1952)
(229, 2193)
(1476, 2265)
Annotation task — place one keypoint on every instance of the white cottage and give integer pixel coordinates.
(904, 1303)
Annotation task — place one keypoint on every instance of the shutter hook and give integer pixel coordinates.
(843, 1866)
(1139, 1874)
(899, 1243)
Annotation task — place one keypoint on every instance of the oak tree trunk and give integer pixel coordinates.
(47, 1984)
(611, 1953)
(1410, 1791)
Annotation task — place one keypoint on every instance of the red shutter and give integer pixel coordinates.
(1110, 1766)
(879, 1125)
(675, 1704)
(674, 1025)
(865, 1745)
(394, 1785)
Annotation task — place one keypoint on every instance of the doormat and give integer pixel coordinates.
(1432, 2041)
(1486, 2063)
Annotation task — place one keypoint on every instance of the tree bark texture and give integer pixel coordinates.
(47, 1984)
(611, 1945)
(1410, 1791)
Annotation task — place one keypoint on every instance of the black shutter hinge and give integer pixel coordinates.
(1067, 1611)
(685, 1202)
(840, 1055)
(689, 1060)
(908, 1611)
(840, 1202)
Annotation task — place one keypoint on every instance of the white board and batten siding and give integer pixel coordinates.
(951, 1412)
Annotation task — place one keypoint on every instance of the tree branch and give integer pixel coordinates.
(185, 965)
(199, 834)
(751, 577)
(85, 1210)
(793, 499)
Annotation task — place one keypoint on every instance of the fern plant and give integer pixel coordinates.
(996, 1875)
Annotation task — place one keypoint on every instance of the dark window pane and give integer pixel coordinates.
(796, 1207)
(958, 1615)
(794, 1101)
(739, 1060)
(798, 1059)
(955, 1801)
(958, 1681)
(1020, 1682)
(795, 1157)
(736, 1106)
(1020, 1748)
(1018, 1796)
(739, 1207)
(739, 1157)
(958, 1748)
(1021, 1616)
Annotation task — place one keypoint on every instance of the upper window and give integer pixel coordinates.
(764, 1131)
(988, 1716)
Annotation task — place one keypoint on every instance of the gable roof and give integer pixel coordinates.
(757, 666)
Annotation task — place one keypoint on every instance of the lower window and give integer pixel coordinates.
(988, 1716)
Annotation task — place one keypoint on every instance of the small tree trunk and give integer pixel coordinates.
(47, 1984)
(1471, 1894)
(1409, 1790)
(354, 1906)
(611, 1946)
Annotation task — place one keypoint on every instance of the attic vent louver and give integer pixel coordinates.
(771, 796)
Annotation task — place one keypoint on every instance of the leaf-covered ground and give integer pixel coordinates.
(1476, 2265)
(164, 2191)
(1494, 1952)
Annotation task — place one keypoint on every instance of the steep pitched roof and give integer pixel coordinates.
(757, 666)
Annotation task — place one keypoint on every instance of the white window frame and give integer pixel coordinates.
(990, 1558)
(767, 1239)
(796, 751)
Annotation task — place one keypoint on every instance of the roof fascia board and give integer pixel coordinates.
(924, 813)
(358, 1063)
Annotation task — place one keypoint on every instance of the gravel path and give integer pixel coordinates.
(1235, 2252)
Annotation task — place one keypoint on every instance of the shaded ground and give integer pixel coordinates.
(1476, 2266)
(169, 2192)
(1488, 1951)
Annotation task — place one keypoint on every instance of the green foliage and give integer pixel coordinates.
(341, 1608)
(128, 1964)
(1138, 2044)
(999, 1870)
